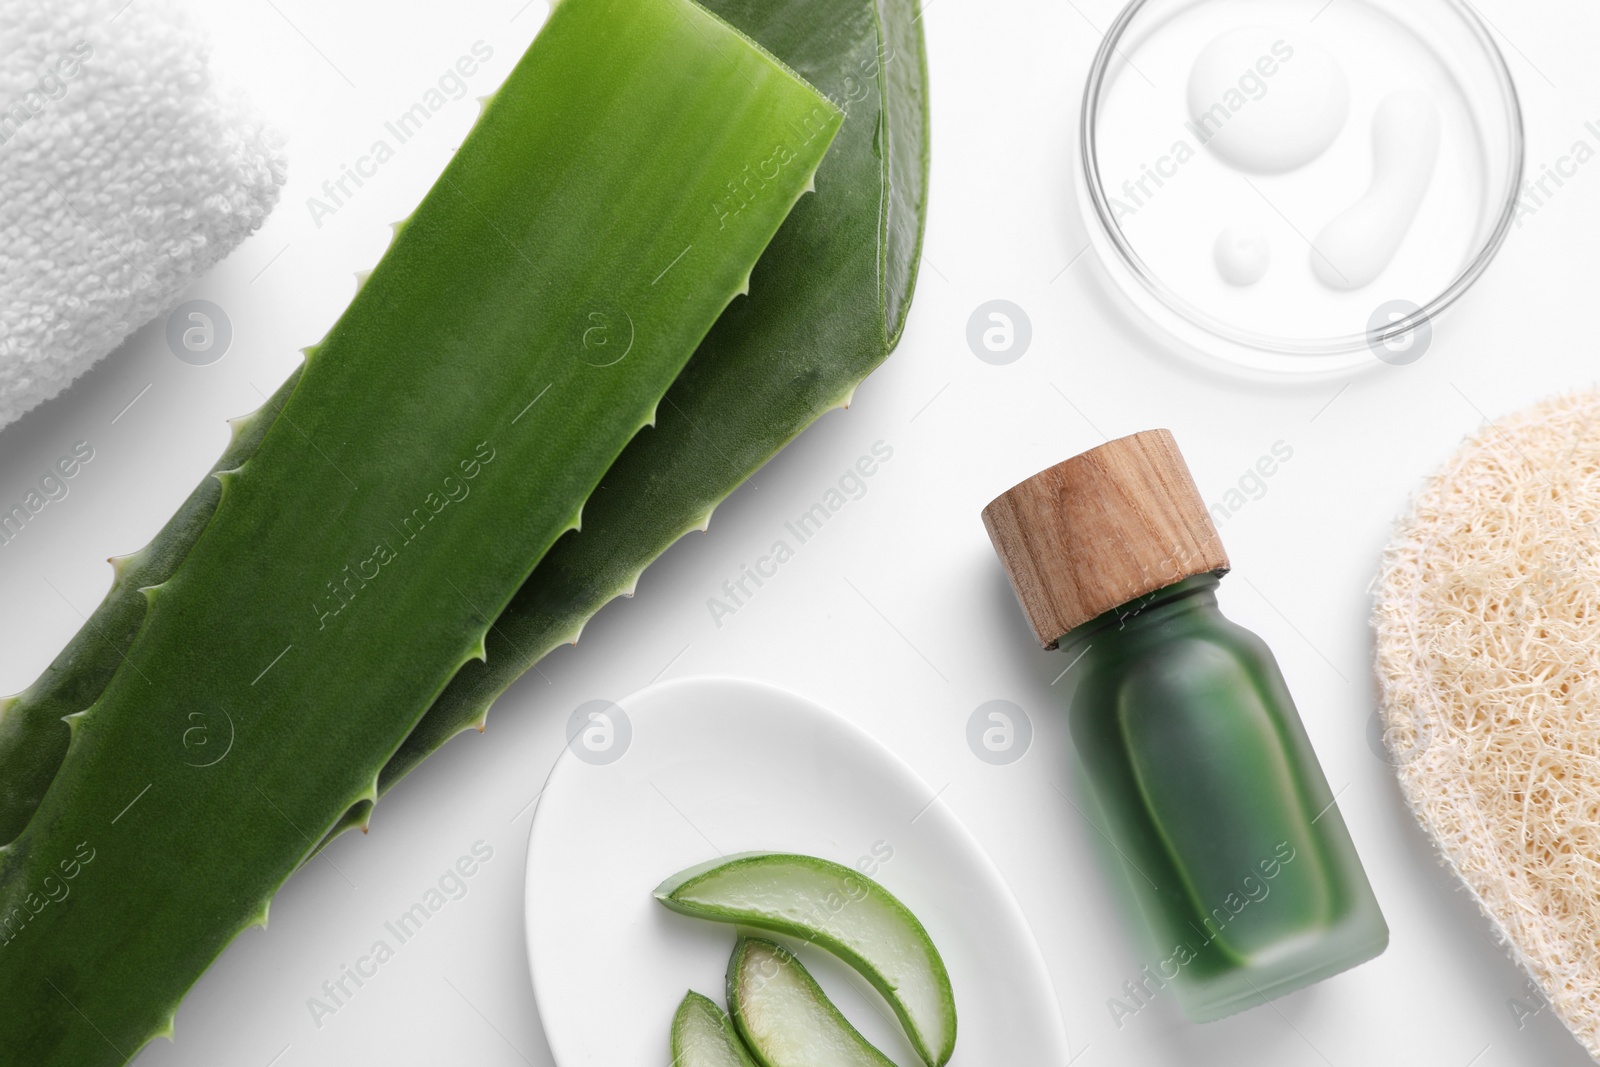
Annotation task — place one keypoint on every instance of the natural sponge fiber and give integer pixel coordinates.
(1488, 659)
(124, 175)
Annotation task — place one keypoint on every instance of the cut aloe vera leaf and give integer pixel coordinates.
(703, 1036)
(443, 435)
(840, 272)
(33, 735)
(827, 304)
(837, 909)
(785, 1018)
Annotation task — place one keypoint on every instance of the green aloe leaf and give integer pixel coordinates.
(33, 733)
(521, 328)
(835, 287)
(827, 305)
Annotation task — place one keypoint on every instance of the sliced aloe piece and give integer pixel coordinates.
(785, 1018)
(837, 909)
(703, 1036)
(437, 442)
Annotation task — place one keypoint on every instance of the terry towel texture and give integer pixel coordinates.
(124, 175)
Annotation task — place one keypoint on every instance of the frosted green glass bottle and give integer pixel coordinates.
(1241, 864)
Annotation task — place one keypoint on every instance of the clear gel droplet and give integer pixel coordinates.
(1242, 255)
(1352, 250)
(1266, 100)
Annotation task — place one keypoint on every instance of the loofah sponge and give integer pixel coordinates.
(124, 175)
(1488, 660)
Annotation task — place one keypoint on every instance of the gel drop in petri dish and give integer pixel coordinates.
(1261, 178)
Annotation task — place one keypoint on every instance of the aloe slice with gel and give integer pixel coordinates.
(784, 1016)
(837, 909)
(703, 1036)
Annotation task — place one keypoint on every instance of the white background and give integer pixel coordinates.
(897, 613)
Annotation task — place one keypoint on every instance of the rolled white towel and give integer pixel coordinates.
(125, 173)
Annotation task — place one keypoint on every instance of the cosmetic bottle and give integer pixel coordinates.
(1238, 858)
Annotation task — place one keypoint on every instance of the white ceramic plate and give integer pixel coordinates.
(713, 765)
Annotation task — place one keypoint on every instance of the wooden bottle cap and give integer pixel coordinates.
(1101, 529)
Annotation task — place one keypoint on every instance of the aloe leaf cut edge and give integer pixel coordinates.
(784, 1016)
(873, 64)
(828, 302)
(482, 424)
(703, 1036)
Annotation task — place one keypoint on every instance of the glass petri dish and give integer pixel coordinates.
(1159, 190)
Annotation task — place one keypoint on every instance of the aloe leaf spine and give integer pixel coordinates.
(828, 303)
(33, 733)
(444, 434)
